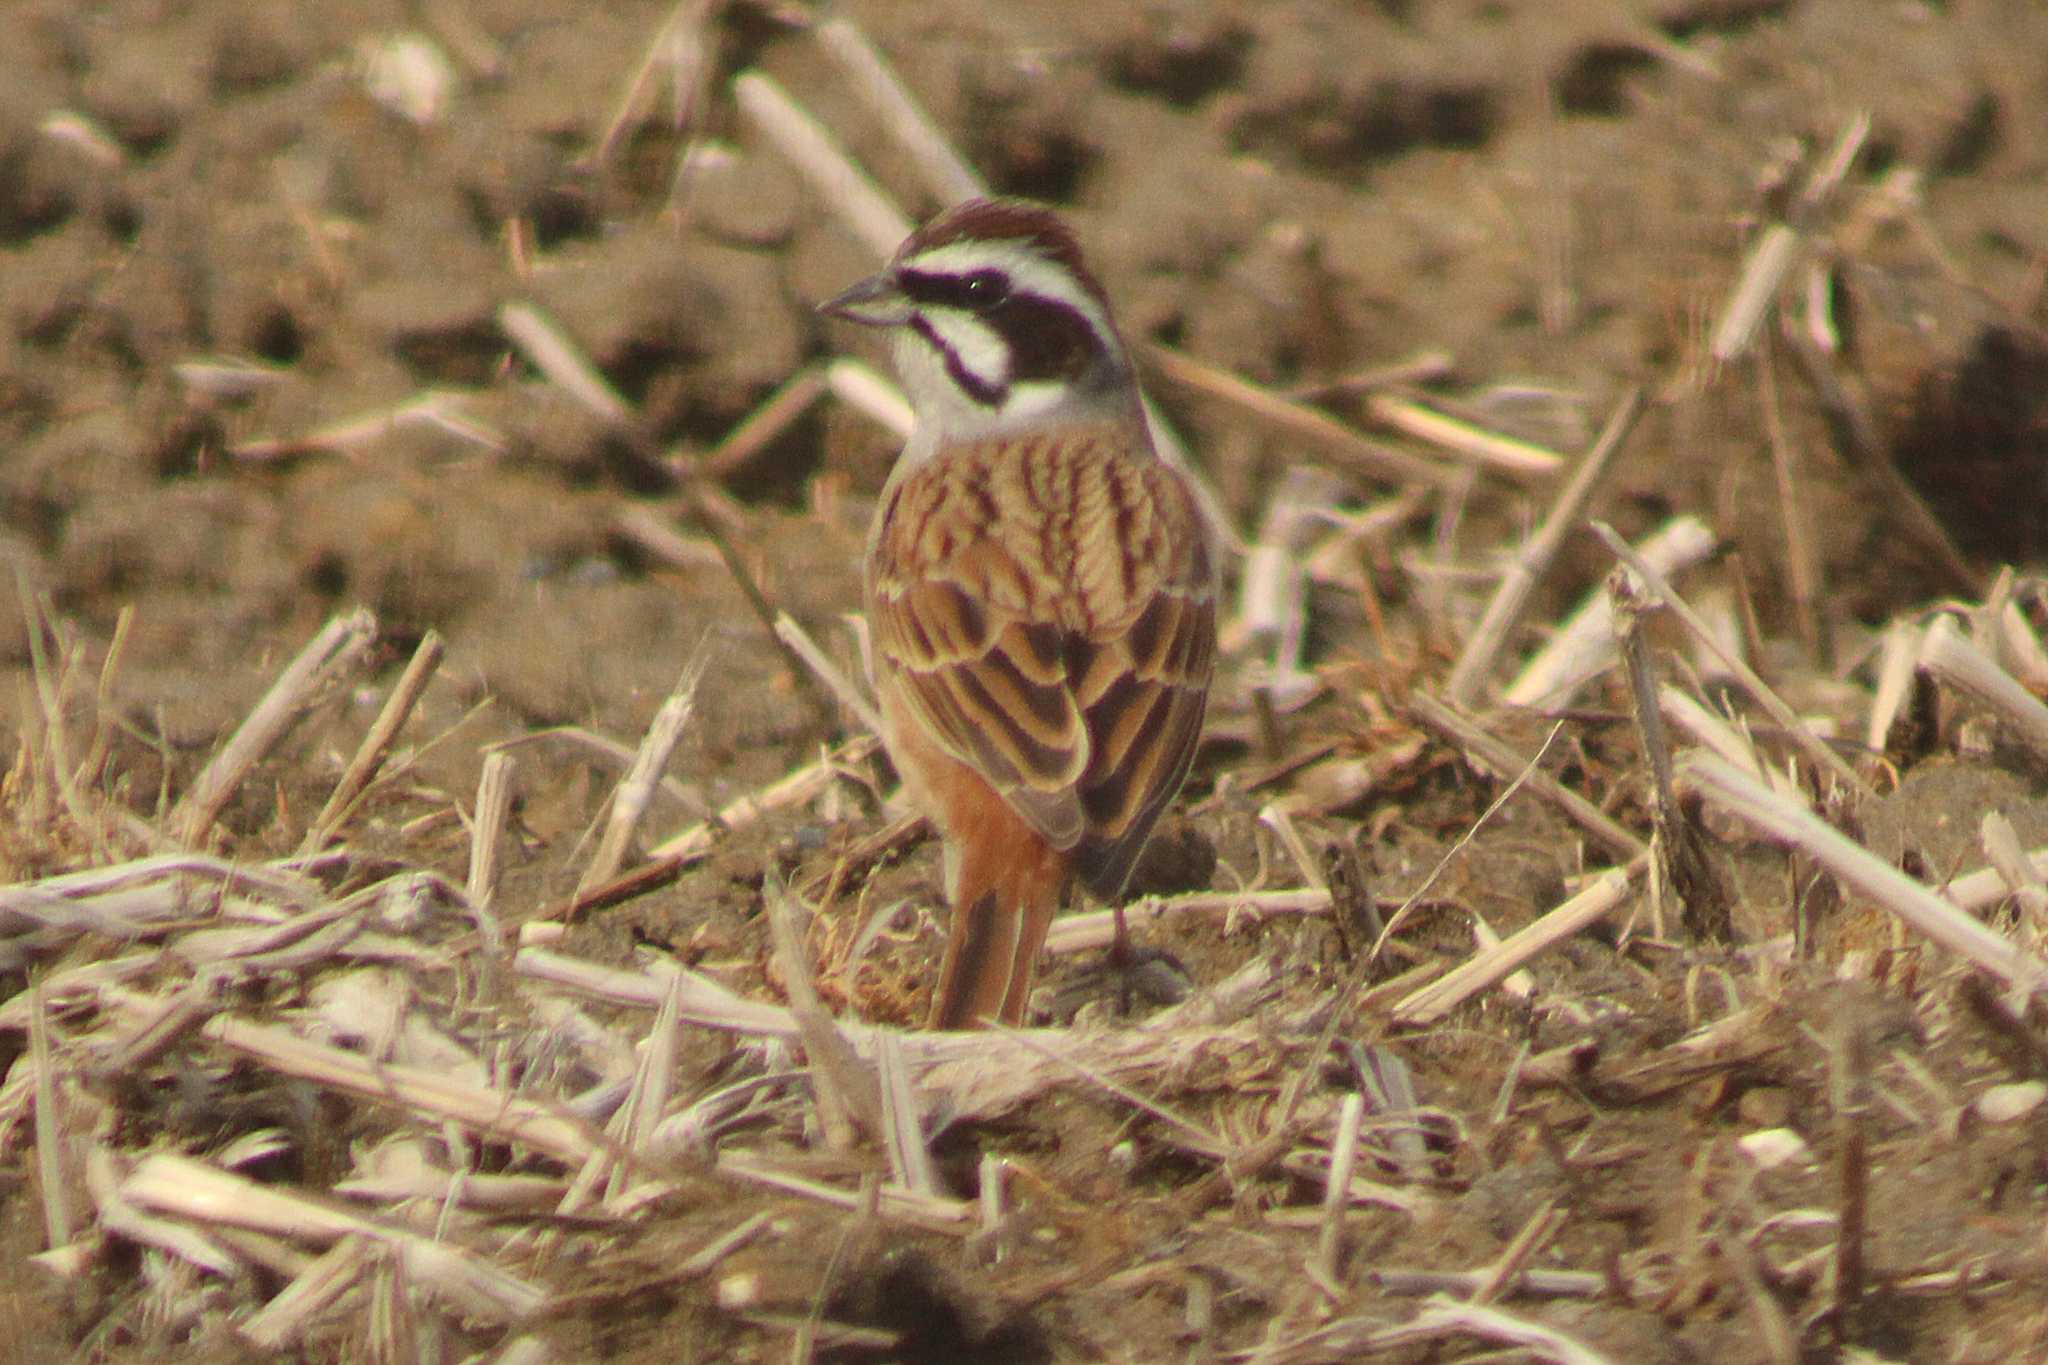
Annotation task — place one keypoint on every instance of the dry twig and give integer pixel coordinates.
(1824, 758)
(1584, 645)
(1352, 449)
(818, 155)
(1336, 1191)
(1485, 969)
(376, 745)
(1503, 760)
(1681, 853)
(339, 646)
(1507, 454)
(1953, 660)
(1781, 246)
(1787, 822)
(635, 792)
(486, 840)
(1849, 1097)
(949, 178)
(558, 357)
(1490, 636)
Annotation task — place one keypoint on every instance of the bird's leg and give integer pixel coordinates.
(1122, 959)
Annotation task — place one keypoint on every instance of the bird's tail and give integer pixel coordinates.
(1005, 896)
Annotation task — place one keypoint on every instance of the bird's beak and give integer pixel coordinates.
(874, 302)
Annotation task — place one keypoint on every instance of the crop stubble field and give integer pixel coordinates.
(456, 340)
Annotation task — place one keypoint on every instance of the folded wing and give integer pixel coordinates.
(1050, 612)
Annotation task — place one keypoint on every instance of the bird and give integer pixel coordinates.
(1040, 588)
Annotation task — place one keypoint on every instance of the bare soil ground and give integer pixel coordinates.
(255, 370)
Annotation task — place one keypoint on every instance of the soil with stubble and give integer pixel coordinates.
(252, 373)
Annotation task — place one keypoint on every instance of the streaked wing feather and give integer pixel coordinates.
(993, 700)
(1144, 731)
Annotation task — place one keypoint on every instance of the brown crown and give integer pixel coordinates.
(1005, 220)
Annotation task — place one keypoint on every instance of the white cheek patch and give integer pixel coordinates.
(942, 405)
(1031, 399)
(980, 350)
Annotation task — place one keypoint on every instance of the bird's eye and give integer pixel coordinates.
(984, 289)
(977, 291)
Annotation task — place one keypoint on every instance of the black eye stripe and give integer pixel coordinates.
(1048, 339)
(978, 291)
